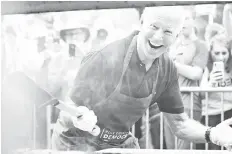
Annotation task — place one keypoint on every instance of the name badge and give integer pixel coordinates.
(113, 137)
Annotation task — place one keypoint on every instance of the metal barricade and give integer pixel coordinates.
(191, 90)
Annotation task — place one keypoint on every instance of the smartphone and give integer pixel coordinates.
(219, 66)
(72, 50)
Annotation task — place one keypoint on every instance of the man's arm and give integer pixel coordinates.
(193, 131)
(195, 70)
(185, 128)
(227, 18)
(190, 72)
(89, 80)
(170, 103)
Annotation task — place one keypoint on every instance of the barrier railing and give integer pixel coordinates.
(190, 90)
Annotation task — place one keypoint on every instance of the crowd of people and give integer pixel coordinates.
(199, 62)
(49, 49)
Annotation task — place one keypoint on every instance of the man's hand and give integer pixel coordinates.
(86, 120)
(222, 134)
(80, 117)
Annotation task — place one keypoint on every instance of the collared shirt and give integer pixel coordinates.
(99, 76)
(136, 73)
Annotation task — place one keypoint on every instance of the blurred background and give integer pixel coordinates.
(49, 47)
(42, 32)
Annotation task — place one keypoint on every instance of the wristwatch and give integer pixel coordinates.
(207, 135)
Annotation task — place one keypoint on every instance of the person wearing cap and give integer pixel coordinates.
(190, 56)
(75, 38)
(117, 84)
(67, 58)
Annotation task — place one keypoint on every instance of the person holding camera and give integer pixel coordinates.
(217, 74)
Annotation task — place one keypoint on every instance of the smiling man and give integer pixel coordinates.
(116, 85)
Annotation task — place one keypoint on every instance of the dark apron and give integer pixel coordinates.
(117, 114)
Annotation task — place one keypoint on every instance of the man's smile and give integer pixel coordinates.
(154, 46)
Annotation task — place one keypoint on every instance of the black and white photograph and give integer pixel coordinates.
(125, 77)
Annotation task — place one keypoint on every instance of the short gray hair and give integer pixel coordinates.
(175, 13)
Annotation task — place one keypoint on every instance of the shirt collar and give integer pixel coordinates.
(135, 56)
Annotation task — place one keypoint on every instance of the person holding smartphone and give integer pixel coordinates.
(217, 74)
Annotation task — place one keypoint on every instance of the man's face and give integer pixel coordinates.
(158, 32)
(187, 28)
